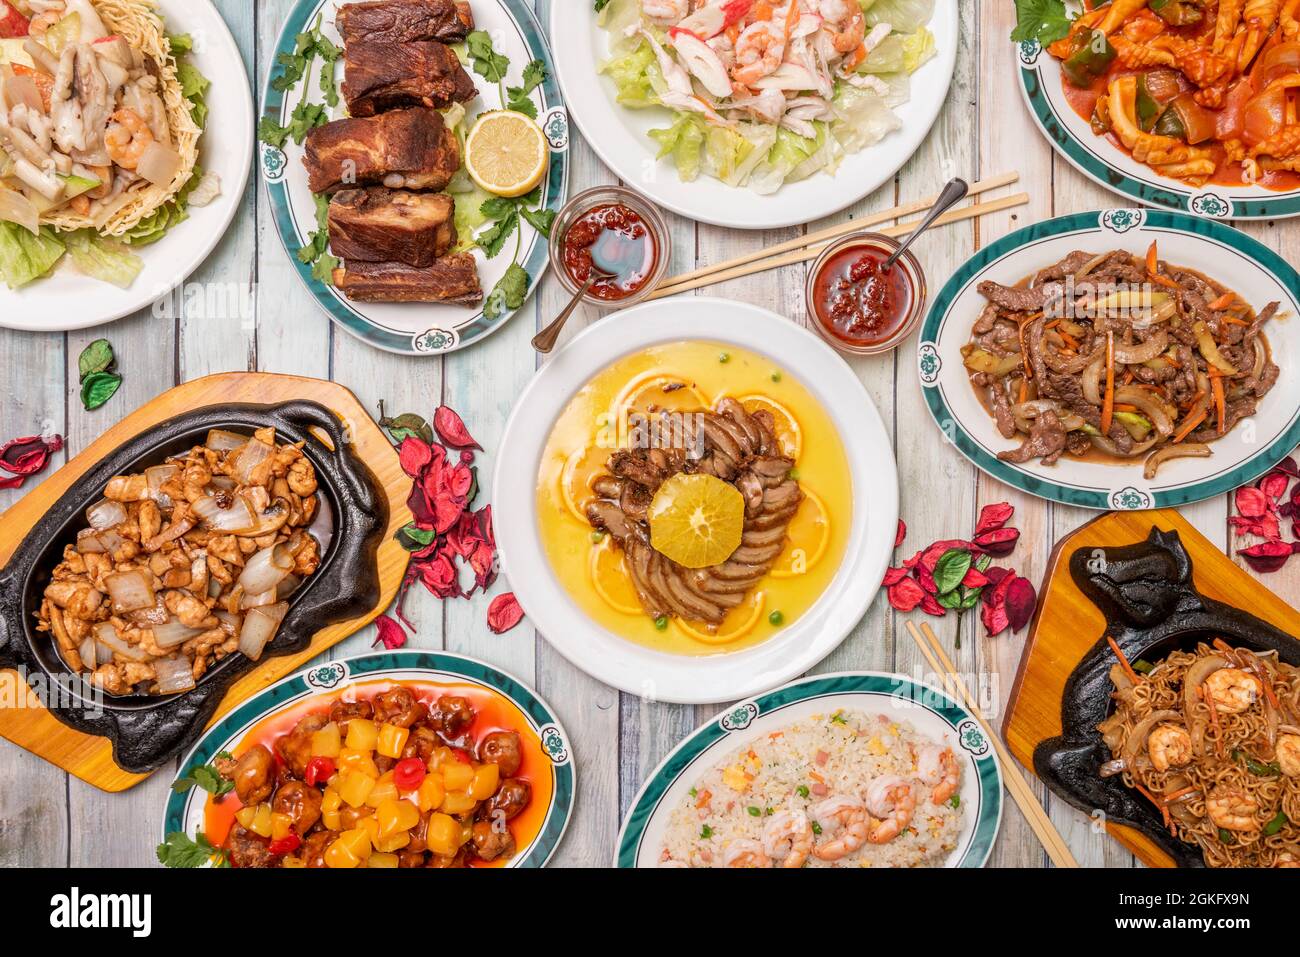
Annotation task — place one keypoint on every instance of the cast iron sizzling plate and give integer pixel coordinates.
(1152, 607)
(147, 730)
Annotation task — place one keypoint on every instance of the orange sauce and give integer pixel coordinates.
(494, 713)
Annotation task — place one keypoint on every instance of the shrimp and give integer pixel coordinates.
(669, 11)
(1286, 859)
(1169, 747)
(787, 838)
(939, 769)
(41, 23)
(850, 819)
(1233, 690)
(846, 23)
(127, 138)
(892, 802)
(1232, 809)
(1288, 754)
(746, 853)
(760, 49)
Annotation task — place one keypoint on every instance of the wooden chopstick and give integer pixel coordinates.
(803, 255)
(833, 232)
(1021, 793)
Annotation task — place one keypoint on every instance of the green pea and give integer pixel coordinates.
(776, 618)
(724, 357)
(661, 622)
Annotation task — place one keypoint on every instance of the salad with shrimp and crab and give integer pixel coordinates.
(100, 120)
(766, 93)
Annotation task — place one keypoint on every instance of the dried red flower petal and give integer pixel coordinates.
(27, 456)
(391, 634)
(451, 429)
(930, 605)
(1267, 556)
(905, 595)
(994, 606)
(901, 533)
(910, 563)
(438, 574)
(504, 613)
(1288, 467)
(1021, 600)
(925, 578)
(999, 541)
(1274, 485)
(893, 576)
(1251, 502)
(993, 517)
(930, 557)
(1267, 527)
(975, 578)
(415, 456)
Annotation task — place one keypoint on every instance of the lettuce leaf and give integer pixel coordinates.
(24, 258)
(684, 142)
(863, 118)
(637, 77)
(905, 16)
(194, 87)
(104, 259)
(154, 226)
(917, 48)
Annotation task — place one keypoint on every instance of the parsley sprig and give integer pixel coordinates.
(1043, 20)
(179, 851)
(294, 66)
(206, 776)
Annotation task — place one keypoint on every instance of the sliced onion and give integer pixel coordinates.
(17, 208)
(1091, 381)
(1192, 681)
(158, 476)
(223, 483)
(103, 653)
(130, 590)
(173, 633)
(159, 164)
(260, 626)
(1132, 355)
(254, 454)
(149, 617)
(1210, 349)
(107, 635)
(322, 527)
(230, 624)
(259, 601)
(1146, 403)
(87, 650)
(266, 569)
(220, 440)
(1185, 450)
(174, 674)
(106, 514)
(238, 518)
(90, 541)
(287, 587)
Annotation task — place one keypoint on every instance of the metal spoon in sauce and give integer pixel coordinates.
(952, 194)
(545, 340)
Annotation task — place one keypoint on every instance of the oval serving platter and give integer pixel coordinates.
(620, 135)
(184, 812)
(928, 710)
(1225, 254)
(650, 672)
(70, 300)
(1110, 167)
(416, 328)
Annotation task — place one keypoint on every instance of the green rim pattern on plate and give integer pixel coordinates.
(552, 117)
(988, 812)
(326, 676)
(1213, 201)
(1118, 222)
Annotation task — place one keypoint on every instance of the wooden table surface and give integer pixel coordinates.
(50, 818)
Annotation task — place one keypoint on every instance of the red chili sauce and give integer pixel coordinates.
(857, 300)
(621, 242)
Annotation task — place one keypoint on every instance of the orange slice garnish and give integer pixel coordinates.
(808, 538)
(662, 390)
(696, 520)
(788, 433)
(611, 579)
(581, 469)
(739, 622)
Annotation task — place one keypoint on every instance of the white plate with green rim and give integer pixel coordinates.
(1111, 167)
(619, 135)
(1258, 274)
(416, 328)
(928, 711)
(185, 811)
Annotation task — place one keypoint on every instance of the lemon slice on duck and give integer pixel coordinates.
(696, 520)
(506, 153)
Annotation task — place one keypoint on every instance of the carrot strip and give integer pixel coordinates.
(1153, 259)
(1024, 390)
(1133, 676)
(1220, 406)
(1189, 426)
(1108, 406)
(1173, 796)
(1124, 407)
(1069, 340)
(1224, 301)
(1164, 811)
(1233, 321)
(1163, 280)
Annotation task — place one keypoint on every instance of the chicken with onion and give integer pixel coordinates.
(100, 121)
(1118, 355)
(186, 563)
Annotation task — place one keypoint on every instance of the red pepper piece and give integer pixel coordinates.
(319, 770)
(285, 845)
(408, 774)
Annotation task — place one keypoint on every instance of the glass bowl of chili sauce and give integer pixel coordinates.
(621, 231)
(859, 306)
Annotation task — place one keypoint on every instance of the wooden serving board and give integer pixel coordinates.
(91, 758)
(1067, 624)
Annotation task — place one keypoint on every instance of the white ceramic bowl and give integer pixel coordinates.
(644, 671)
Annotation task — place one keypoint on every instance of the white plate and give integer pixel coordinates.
(1231, 257)
(618, 135)
(659, 675)
(928, 711)
(70, 300)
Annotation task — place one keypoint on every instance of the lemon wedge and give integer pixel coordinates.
(696, 520)
(506, 153)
